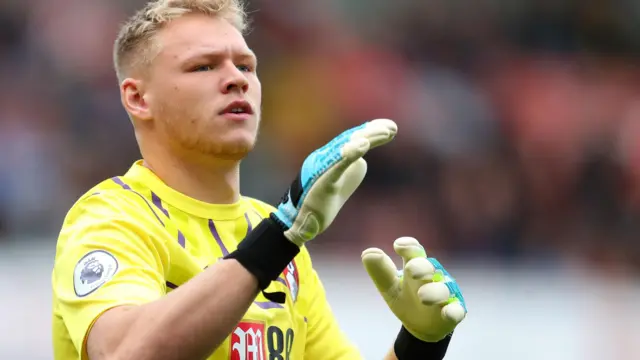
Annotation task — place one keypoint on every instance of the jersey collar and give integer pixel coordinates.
(144, 175)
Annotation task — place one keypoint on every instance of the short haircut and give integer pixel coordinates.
(135, 46)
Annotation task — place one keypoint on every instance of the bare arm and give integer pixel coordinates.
(194, 319)
(189, 323)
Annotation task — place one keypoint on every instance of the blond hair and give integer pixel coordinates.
(134, 46)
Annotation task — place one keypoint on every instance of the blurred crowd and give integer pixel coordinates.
(519, 120)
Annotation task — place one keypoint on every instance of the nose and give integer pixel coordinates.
(235, 80)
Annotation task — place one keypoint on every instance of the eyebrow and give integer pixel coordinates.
(244, 54)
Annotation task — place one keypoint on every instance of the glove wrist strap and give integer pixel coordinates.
(408, 347)
(265, 253)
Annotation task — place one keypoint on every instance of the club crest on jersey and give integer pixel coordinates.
(292, 279)
(93, 270)
(247, 341)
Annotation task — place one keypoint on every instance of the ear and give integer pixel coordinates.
(132, 94)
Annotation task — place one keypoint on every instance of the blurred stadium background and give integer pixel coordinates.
(517, 163)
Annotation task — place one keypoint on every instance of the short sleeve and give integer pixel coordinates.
(107, 256)
(325, 339)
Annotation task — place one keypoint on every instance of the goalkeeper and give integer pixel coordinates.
(169, 261)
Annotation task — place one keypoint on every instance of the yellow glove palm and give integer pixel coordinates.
(423, 296)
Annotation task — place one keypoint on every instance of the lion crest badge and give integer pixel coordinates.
(92, 271)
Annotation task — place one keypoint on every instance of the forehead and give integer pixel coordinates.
(195, 33)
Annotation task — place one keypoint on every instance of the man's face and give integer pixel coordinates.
(203, 75)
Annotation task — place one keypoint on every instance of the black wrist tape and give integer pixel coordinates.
(265, 253)
(408, 347)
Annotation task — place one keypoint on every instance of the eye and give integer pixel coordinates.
(245, 68)
(203, 68)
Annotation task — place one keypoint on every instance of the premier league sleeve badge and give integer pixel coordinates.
(92, 271)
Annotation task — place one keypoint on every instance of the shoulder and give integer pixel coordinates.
(106, 198)
(108, 203)
(109, 217)
(114, 196)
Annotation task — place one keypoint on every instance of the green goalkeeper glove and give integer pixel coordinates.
(327, 179)
(329, 176)
(423, 296)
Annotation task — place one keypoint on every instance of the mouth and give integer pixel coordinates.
(238, 107)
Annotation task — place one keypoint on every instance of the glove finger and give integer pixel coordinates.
(453, 312)
(408, 248)
(354, 149)
(353, 144)
(356, 145)
(344, 177)
(350, 153)
(348, 171)
(436, 293)
(381, 269)
(328, 195)
(420, 270)
(378, 132)
(351, 179)
(335, 156)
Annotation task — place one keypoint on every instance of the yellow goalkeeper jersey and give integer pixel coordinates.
(132, 239)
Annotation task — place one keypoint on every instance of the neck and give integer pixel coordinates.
(211, 180)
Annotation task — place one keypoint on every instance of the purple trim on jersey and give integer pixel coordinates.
(157, 202)
(216, 236)
(121, 183)
(94, 194)
(281, 280)
(127, 187)
(171, 285)
(268, 305)
(249, 226)
(181, 240)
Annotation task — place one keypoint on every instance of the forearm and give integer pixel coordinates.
(189, 323)
(194, 319)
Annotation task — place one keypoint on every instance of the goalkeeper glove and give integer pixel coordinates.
(423, 296)
(329, 176)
